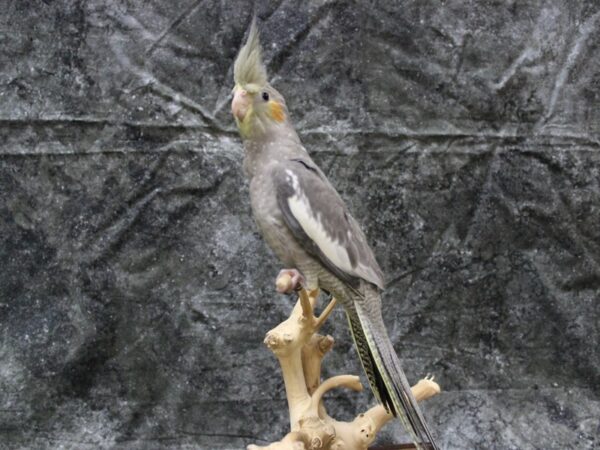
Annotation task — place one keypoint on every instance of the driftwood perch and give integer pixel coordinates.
(300, 351)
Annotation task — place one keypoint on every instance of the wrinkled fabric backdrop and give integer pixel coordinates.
(136, 291)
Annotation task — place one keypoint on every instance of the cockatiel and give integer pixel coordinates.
(308, 226)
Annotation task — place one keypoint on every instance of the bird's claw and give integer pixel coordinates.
(289, 280)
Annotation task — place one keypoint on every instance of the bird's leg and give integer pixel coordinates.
(293, 281)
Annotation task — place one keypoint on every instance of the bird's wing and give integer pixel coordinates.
(320, 221)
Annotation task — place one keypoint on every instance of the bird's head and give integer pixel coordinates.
(256, 106)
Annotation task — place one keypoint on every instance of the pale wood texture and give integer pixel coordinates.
(300, 351)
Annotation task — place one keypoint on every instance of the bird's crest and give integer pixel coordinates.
(249, 69)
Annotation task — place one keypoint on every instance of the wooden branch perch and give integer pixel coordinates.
(300, 351)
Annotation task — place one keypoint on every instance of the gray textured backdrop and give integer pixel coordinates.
(135, 290)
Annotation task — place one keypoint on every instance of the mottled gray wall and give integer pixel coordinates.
(135, 290)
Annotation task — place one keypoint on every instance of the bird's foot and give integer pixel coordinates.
(289, 280)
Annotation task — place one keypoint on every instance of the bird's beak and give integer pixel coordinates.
(240, 103)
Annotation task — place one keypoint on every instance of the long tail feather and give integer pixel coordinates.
(366, 358)
(384, 372)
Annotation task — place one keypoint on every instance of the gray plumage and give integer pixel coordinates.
(308, 226)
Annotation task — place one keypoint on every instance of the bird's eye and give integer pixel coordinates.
(265, 96)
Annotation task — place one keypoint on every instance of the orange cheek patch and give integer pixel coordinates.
(276, 110)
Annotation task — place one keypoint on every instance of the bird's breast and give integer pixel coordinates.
(269, 219)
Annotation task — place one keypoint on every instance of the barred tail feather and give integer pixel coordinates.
(385, 373)
(366, 359)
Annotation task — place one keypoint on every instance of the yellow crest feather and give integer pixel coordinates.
(248, 67)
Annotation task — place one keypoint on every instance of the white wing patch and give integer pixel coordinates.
(311, 223)
(313, 227)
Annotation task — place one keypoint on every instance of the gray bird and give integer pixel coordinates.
(308, 226)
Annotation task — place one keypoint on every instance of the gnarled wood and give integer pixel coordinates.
(300, 351)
